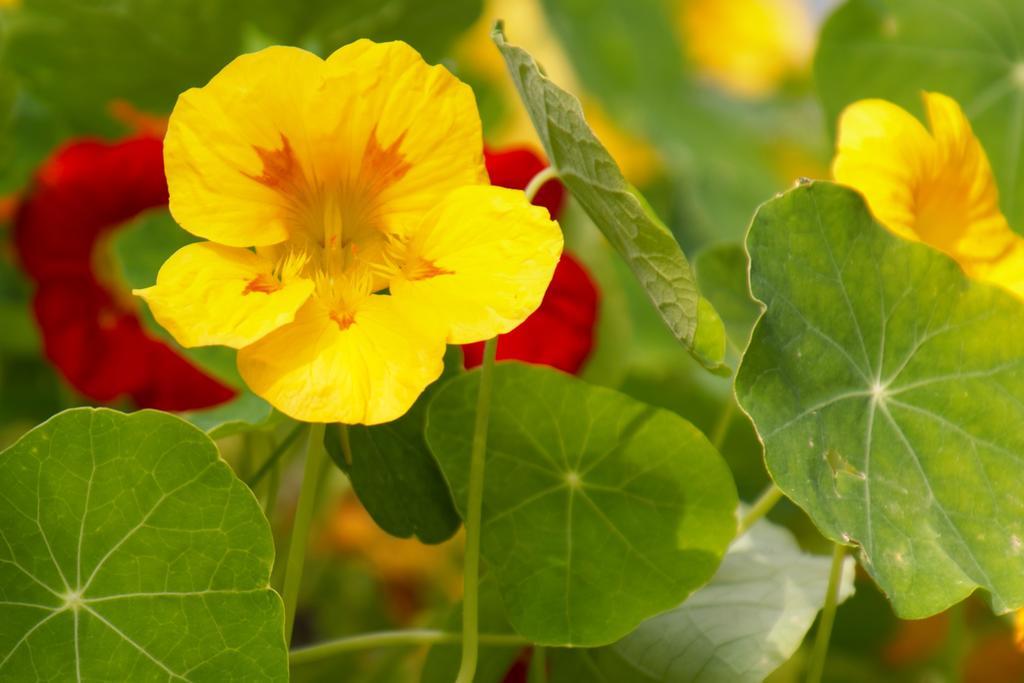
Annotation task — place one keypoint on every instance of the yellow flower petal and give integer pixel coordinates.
(747, 47)
(937, 187)
(281, 144)
(365, 367)
(232, 145)
(417, 127)
(481, 262)
(207, 293)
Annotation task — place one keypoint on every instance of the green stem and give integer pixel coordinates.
(722, 424)
(346, 445)
(764, 503)
(270, 504)
(474, 507)
(538, 666)
(315, 456)
(281, 449)
(816, 667)
(409, 638)
(537, 182)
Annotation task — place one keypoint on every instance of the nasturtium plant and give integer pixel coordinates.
(599, 511)
(966, 49)
(592, 176)
(132, 552)
(749, 619)
(315, 200)
(882, 381)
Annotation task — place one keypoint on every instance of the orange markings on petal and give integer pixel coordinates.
(343, 319)
(423, 269)
(383, 166)
(281, 170)
(264, 283)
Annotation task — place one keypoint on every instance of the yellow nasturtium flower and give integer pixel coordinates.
(747, 47)
(352, 230)
(935, 186)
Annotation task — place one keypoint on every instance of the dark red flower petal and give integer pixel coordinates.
(175, 384)
(86, 189)
(90, 332)
(514, 167)
(560, 333)
(98, 347)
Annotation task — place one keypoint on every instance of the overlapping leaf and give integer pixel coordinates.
(885, 386)
(746, 622)
(590, 173)
(967, 49)
(131, 552)
(599, 511)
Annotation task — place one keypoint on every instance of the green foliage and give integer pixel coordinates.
(966, 49)
(722, 274)
(393, 472)
(625, 218)
(599, 511)
(881, 381)
(442, 663)
(747, 621)
(131, 552)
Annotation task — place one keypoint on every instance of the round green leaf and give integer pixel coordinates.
(131, 552)
(749, 619)
(884, 385)
(967, 49)
(599, 511)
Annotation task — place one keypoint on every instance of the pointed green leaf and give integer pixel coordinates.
(131, 552)
(599, 511)
(882, 383)
(966, 49)
(744, 624)
(625, 218)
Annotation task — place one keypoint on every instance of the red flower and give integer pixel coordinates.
(90, 328)
(515, 167)
(560, 333)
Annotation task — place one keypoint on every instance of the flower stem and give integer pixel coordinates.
(722, 424)
(346, 445)
(537, 182)
(408, 638)
(474, 507)
(764, 503)
(300, 526)
(538, 665)
(828, 616)
(272, 459)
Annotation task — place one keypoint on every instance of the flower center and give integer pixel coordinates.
(335, 215)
